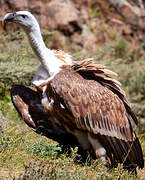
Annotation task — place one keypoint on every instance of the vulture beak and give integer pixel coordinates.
(10, 17)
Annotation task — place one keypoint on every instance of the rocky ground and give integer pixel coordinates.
(85, 23)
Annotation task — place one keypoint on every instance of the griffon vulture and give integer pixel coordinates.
(80, 100)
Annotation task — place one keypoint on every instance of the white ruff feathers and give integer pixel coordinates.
(50, 63)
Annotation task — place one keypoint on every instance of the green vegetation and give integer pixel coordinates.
(26, 155)
(43, 149)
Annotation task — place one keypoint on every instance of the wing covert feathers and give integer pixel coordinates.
(102, 75)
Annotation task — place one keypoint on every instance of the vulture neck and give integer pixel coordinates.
(45, 55)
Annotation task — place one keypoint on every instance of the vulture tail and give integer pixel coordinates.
(126, 152)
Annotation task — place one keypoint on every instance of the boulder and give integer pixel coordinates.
(64, 16)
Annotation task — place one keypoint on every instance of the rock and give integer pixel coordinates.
(87, 40)
(63, 16)
(38, 8)
(127, 30)
(17, 6)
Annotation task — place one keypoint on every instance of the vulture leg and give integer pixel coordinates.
(99, 150)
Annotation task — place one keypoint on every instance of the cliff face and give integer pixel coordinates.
(85, 23)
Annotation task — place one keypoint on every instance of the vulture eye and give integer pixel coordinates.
(24, 16)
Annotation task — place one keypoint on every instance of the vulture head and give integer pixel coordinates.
(23, 18)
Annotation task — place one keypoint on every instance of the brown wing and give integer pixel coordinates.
(95, 107)
(28, 104)
(100, 107)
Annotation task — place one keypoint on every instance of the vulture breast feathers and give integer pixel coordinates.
(86, 98)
